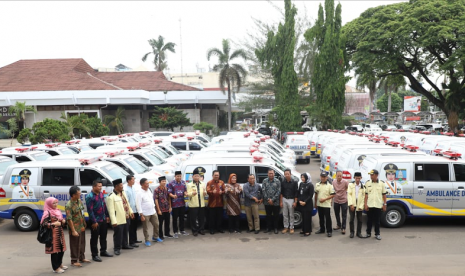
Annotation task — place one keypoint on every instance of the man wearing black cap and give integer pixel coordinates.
(356, 201)
(120, 212)
(375, 201)
(177, 191)
(196, 193)
(163, 206)
(324, 192)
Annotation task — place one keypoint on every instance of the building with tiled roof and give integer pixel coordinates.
(73, 86)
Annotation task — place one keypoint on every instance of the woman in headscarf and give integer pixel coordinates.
(57, 248)
(305, 203)
(233, 200)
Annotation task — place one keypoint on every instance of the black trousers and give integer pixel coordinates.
(324, 213)
(178, 213)
(354, 214)
(197, 219)
(234, 223)
(164, 218)
(57, 259)
(133, 229)
(100, 232)
(338, 207)
(215, 218)
(272, 216)
(306, 218)
(120, 235)
(374, 214)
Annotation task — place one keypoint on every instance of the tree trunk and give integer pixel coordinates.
(453, 120)
(229, 106)
(389, 101)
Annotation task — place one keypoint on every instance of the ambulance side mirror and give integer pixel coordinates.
(105, 182)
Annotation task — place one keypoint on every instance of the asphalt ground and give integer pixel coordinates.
(420, 247)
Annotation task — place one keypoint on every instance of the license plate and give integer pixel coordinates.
(298, 152)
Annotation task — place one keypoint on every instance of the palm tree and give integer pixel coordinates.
(20, 109)
(159, 49)
(116, 121)
(231, 74)
(74, 122)
(391, 83)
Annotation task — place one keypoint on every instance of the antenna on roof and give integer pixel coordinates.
(180, 44)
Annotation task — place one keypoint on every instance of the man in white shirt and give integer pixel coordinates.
(146, 208)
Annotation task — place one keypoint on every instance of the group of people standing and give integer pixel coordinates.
(126, 205)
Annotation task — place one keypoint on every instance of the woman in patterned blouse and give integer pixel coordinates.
(233, 200)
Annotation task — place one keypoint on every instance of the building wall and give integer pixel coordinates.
(209, 116)
(357, 102)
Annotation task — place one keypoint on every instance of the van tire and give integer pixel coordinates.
(394, 217)
(26, 220)
(298, 219)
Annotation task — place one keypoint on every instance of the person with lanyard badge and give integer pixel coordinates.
(375, 202)
(163, 205)
(98, 217)
(196, 193)
(305, 203)
(120, 215)
(178, 192)
(54, 220)
(131, 194)
(271, 188)
(233, 201)
(324, 192)
(252, 199)
(392, 187)
(215, 191)
(76, 226)
(146, 209)
(288, 201)
(23, 191)
(356, 201)
(340, 201)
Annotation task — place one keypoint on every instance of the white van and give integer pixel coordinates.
(419, 186)
(53, 149)
(25, 154)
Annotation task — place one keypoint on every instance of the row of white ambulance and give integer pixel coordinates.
(424, 173)
(33, 173)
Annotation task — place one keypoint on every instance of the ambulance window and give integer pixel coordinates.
(179, 145)
(21, 159)
(431, 172)
(88, 176)
(194, 146)
(261, 173)
(7, 155)
(119, 164)
(52, 152)
(459, 170)
(58, 177)
(94, 145)
(242, 173)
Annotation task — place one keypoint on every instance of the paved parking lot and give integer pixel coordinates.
(420, 247)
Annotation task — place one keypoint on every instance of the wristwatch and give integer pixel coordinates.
(384, 204)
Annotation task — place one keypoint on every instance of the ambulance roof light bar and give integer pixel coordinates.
(114, 153)
(257, 157)
(294, 132)
(157, 140)
(182, 134)
(122, 135)
(104, 137)
(190, 138)
(22, 149)
(451, 154)
(146, 132)
(129, 134)
(90, 160)
(132, 148)
(174, 136)
(246, 135)
(51, 145)
(71, 142)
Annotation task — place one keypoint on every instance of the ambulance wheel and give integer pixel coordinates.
(297, 219)
(26, 220)
(393, 217)
(307, 161)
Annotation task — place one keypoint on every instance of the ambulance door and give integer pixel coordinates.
(56, 183)
(432, 190)
(458, 202)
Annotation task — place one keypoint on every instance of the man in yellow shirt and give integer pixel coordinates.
(324, 192)
(196, 192)
(375, 201)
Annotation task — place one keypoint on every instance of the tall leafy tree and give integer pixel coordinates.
(116, 121)
(75, 124)
(415, 39)
(159, 49)
(168, 118)
(20, 109)
(278, 55)
(329, 66)
(232, 75)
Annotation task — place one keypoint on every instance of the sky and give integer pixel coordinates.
(108, 33)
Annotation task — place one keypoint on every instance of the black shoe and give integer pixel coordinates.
(351, 235)
(134, 245)
(360, 236)
(169, 236)
(195, 234)
(117, 252)
(221, 231)
(330, 235)
(276, 231)
(105, 254)
(96, 259)
(201, 232)
(138, 241)
(128, 247)
(267, 230)
(211, 232)
(319, 232)
(248, 230)
(257, 231)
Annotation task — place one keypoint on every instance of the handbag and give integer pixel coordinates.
(45, 234)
